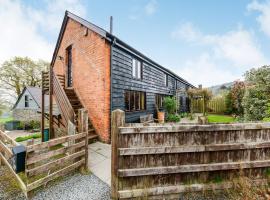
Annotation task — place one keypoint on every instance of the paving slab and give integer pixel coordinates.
(99, 161)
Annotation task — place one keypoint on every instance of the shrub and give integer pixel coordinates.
(255, 105)
(169, 105)
(173, 118)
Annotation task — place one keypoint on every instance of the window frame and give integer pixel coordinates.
(166, 80)
(26, 101)
(137, 71)
(138, 103)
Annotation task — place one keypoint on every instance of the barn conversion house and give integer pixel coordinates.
(93, 69)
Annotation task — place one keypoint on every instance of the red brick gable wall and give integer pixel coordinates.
(91, 73)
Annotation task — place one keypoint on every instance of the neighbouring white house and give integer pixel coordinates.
(28, 104)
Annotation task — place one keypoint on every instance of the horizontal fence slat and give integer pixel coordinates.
(193, 128)
(55, 142)
(21, 183)
(43, 156)
(54, 175)
(48, 166)
(7, 152)
(193, 168)
(192, 148)
(125, 194)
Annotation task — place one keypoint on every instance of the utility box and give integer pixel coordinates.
(18, 160)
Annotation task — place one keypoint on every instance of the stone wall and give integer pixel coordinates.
(26, 115)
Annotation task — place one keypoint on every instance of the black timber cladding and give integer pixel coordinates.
(153, 82)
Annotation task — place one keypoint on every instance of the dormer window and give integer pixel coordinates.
(136, 69)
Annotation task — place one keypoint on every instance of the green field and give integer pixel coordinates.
(220, 119)
(4, 120)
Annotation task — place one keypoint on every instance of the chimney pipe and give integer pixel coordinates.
(111, 25)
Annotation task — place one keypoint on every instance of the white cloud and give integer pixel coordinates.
(25, 29)
(19, 35)
(206, 71)
(187, 32)
(138, 12)
(264, 17)
(237, 46)
(50, 17)
(151, 7)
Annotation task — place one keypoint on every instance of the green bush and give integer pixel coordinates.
(169, 105)
(173, 118)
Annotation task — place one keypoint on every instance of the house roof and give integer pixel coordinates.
(35, 92)
(114, 40)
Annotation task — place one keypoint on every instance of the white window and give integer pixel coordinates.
(166, 80)
(136, 69)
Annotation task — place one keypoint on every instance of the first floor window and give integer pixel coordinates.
(135, 100)
(166, 80)
(136, 69)
(26, 101)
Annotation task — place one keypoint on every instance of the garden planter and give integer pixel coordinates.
(161, 117)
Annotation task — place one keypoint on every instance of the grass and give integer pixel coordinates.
(33, 136)
(220, 119)
(4, 120)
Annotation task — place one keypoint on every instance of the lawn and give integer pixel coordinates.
(220, 119)
(4, 120)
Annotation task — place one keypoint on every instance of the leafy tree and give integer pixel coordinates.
(257, 94)
(237, 94)
(19, 72)
(255, 105)
(229, 103)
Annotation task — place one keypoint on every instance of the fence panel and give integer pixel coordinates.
(164, 160)
(217, 106)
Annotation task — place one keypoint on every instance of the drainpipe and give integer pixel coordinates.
(111, 73)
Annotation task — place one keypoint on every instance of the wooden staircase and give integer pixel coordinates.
(67, 101)
(76, 105)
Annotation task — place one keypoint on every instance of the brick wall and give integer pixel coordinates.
(91, 73)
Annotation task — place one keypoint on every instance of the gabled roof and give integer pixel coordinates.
(35, 93)
(114, 41)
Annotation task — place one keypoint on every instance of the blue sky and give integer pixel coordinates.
(208, 42)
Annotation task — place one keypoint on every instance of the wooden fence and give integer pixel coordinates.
(47, 161)
(163, 161)
(216, 105)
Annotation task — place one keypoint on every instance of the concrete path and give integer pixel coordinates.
(99, 161)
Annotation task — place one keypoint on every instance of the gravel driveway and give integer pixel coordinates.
(75, 186)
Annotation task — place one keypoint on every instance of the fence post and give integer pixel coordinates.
(117, 120)
(83, 127)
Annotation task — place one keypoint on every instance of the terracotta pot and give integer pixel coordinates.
(161, 117)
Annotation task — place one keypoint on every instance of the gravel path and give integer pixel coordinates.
(72, 187)
(76, 186)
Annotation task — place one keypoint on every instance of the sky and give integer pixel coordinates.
(205, 42)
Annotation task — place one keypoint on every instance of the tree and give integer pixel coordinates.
(257, 94)
(237, 94)
(19, 72)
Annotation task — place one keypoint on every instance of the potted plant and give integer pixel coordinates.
(160, 115)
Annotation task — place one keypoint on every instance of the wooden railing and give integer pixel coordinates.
(62, 100)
